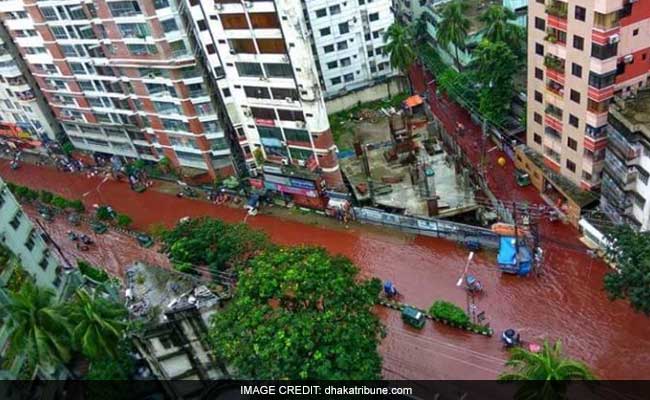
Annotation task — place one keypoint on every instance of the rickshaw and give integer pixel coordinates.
(98, 227)
(472, 284)
(144, 240)
(522, 178)
(413, 317)
(45, 213)
(74, 219)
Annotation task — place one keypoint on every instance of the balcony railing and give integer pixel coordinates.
(554, 63)
(622, 146)
(557, 9)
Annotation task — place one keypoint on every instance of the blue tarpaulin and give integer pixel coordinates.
(514, 259)
(507, 251)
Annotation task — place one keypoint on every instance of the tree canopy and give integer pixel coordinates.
(547, 373)
(630, 251)
(499, 27)
(453, 27)
(212, 243)
(299, 313)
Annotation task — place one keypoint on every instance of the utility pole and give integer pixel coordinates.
(483, 145)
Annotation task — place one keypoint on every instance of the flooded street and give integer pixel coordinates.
(566, 303)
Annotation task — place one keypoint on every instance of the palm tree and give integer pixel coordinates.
(99, 324)
(499, 27)
(419, 29)
(453, 27)
(546, 372)
(399, 46)
(38, 328)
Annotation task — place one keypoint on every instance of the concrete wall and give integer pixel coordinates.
(379, 91)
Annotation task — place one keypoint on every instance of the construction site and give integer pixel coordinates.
(399, 166)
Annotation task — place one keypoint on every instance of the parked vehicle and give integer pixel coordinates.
(144, 240)
(472, 284)
(74, 219)
(413, 317)
(522, 178)
(46, 213)
(510, 338)
(98, 227)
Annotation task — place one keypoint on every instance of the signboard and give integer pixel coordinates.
(299, 183)
(264, 122)
(256, 183)
(289, 189)
(270, 169)
(278, 179)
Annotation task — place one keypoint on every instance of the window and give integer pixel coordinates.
(321, 13)
(203, 26)
(175, 125)
(571, 166)
(335, 9)
(635, 32)
(249, 69)
(284, 93)
(169, 25)
(137, 30)
(348, 77)
(124, 8)
(142, 49)
(576, 70)
(257, 92)
(15, 221)
(300, 154)
(373, 17)
(210, 48)
(271, 46)
(539, 74)
(49, 14)
(538, 97)
(539, 49)
(342, 45)
(601, 81)
(59, 32)
(578, 42)
(246, 46)
(264, 20)
(332, 64)
(537, 118)
(329, 48)
(575, 96)
(573, 145)
(574, 121)
(269, 132)
(580, 13)
(604, 52)
(325, 31)
(278, 70)
(296, 135)
(344, 28)
(291, 115)
(263, 113)
(29, 243)
(540, 24)
(335, 81)
(345, 62)
(158, 4)
(537, 138)
(234, 21)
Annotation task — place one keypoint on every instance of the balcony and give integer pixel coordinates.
(554, 63)
(555, 36)
(555, 88)
(615, 196)
(557, 15)
(600, 94)
(625, 149)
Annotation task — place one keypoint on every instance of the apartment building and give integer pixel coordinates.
(260, 57)
(625, 194)
(25, 118)
(347, 40)
(123, 78)
(582, 53)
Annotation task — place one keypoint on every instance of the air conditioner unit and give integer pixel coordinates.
(300, 124)
(302, 163)
(249, 4)
(285, 59)
(151, 76)
(285, 161)
(264, 78)
(628, 58)
(288, 99)
(615, 38)
(218, 6)
(247, 113)
(233, 51)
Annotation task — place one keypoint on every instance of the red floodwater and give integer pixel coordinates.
(566, 303)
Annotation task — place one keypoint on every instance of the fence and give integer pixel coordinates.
(428, 226)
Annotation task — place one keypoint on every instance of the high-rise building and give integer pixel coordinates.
(123, 78)
(347, 40)
(581, 53)
(260, 57)
(25, 118)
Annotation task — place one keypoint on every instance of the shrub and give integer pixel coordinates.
(77, 205)
(21, 192)
(91, 272)
(12, 187)
(186, 268)
(157, 230)
(45, 196)
(449, 312)
(59, 202)
(103, 214)
(67, 148)
(124, 220)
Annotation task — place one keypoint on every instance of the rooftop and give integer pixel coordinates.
(634, 112)
(153, 292)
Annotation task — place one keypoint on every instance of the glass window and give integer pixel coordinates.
(142, 49)
(249, 69)
(169, 25)
(49, 14)
(264, 20)
(282, 93)
(342, 45)
(257, 92)
(325, 31)
(344, 28)
(335, 9)
(373, 16)
(134, 30)
(297, 135)
(270, 132)
(175, 125)
(278, 70)
(321, 13)
(124, 8)
(167, 108)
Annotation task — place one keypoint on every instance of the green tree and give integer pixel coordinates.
(546, 373)
(124, 220)
(453, 27)
(399, 46)
(499, 27)
(38, 327)
(419, 30)
(494, 65)
(212, 243)
(99, 324)
(299, 313)
(630, 251)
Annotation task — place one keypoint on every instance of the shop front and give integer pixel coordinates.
(287, 185)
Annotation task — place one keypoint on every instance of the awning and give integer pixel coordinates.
(337, 203)
(413, 101)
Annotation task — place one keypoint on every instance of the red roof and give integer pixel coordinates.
(413, 101)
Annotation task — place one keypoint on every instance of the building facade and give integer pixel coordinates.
(625, 190)
(347, 40)
(123, 78)
(582, 53)
(25, 118)
(259, 55)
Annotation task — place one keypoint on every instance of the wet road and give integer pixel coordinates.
(566, 303)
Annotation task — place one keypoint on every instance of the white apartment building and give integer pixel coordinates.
(260, 56)
(347, 40)
(24, 117)
(625, 192)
